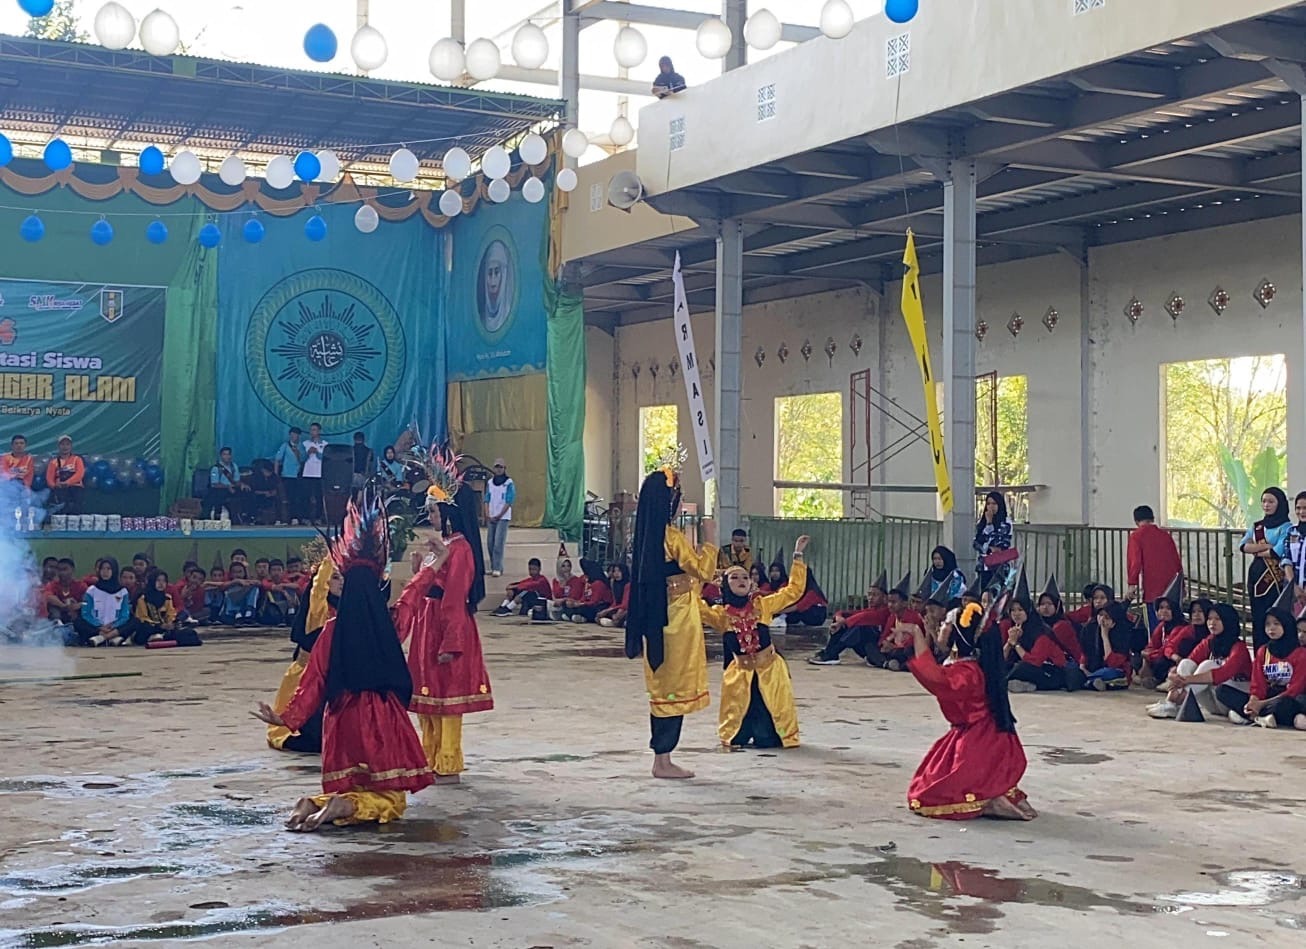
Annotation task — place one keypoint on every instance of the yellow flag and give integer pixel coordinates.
(914, 316)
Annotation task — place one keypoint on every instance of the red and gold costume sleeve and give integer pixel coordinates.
(455, 578)
(311, 694)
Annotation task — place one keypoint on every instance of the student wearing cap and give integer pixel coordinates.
(500, 493)
(65, 474)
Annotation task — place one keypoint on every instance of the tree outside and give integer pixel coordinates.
(1226, 432)
(809, 447)
(659, 435)
(1009, 412)
(61, 23)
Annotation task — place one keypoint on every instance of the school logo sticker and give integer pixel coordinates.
(111, 305)
(327, 345)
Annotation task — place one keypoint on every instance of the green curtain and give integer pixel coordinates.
(564, 507)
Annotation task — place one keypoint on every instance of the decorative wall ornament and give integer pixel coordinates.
(1051, 318)
(855, 344)
(1134, 310)
(674, 367)
(653, 368)
(1219, 300)
(806, 349)
(830, 347)
(635, 369)
(759, 357)
(1015, 325)
(782, 353)
(981, 330)
(1265, 293)
(1175, 306)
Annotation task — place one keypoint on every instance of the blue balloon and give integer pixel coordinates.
(154, 476)
(101, 468)
(307, 166)
(150, 161)
(315, 229)
(108, 483)
(58, 155)
(6, 150)
(36, 7)
(157, 232)
(139, 464)
(901, 11)
(210, 236)
(101, 232)
(32, 229)
(92, 482)
(254, 230)
(320, 43)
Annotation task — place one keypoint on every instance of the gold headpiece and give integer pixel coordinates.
(671, 462)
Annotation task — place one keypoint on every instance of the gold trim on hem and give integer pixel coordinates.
(374, 775)
(452, 700)
(971, 805)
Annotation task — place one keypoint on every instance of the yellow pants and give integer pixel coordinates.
(442, 740)
(777, 692)
(370, 807)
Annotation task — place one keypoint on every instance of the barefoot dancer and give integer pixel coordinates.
(371, 757)
(975, 769)
(664, 624)
(438, 609)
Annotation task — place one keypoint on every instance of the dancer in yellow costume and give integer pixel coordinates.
(304, 633)
(667, 576)
(757, 697)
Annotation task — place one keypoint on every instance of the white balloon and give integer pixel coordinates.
(499, 191)
(567, 180)
(159, 34)
(330, 165)
(629, 48)
(451, 204)
(714, 38)
(762, 31)
(369, 49)
(280, 172)
(530, 47)
(483, 60)
(403, 165)
(622, 132)
(836, 19)
(366, 219)
(533, 149)
(115, 27)
(532, 190)
(185, 168)
(574, 143)
(232, 171)
(495, 162)
(446, 60)
(457, 164)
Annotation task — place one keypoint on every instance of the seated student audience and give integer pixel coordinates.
(812, 608)
(240, 596)
(226, 489)
(1106, 641)
(132, 583)
(188, 596)
(141, 564)
(215, 593)
(943, 578)
(855, 630)
(596, 596)
(105, 617)
(1278, 689)
(156, 614)
(737, 554)
(1096, 597)
(534, 585)
(280, 596)
(896, 643)
(757, 574)
(49, 569)
(565, 587)
(1053, 614)
(619, 582)
(298, 575)
(1037, 659)
(1170, 623)
(1215, 678)
(64, 593)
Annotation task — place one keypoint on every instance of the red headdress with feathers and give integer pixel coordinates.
(363, 540)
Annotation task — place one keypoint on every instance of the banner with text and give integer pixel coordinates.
(83, 360)
(914, 315)
(693, 384)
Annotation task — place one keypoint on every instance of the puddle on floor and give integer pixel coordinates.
(1073, 756)
(65, 879)
(1246, 888)
(1243, 800)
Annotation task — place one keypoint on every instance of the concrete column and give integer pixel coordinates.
(729, 377)
(1086, 396)
(1296, 368)
(735, 13)
(569, 75)
(959, 354)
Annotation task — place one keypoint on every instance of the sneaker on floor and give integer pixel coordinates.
(502, 611)
(893, 665)
(96, 640)
(1267, 721)
(123, 641)
(1163, 687)
(1020, 685)
(1099, 684)
(497, 573)
(1238, 718)
(821, 659)
(294, 522)
(156, 637)
(606, 622)
(1163, 709)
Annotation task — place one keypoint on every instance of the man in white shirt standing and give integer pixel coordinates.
(500, 493)
(314, 446)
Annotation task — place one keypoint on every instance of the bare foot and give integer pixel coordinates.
(338, 808)
(303, 807)
(448, 779)
(1027, 809)
(1003, 808)
(663, 768)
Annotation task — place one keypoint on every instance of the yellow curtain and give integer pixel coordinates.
(506, 418)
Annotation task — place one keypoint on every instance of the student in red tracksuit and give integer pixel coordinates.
(1170, 621)
(1180, 643)
(895, 645)
(1040, 661)
(1152, 560)
(1278, 694)
(565, 587)
(596, 597)
(1096, 597)
(1106, 646)
(619, 581)
(534, 586)
(1218, 671)
(857, 630)
(1053, 613)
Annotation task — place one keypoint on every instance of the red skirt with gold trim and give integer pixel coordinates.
(965, 769)
(369, 744)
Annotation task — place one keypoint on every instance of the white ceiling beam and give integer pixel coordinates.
(549, 77)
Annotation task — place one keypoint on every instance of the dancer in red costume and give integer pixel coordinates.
(975, 769)
(438, 610)
(371, 756)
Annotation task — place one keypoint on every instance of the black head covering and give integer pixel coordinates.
(1110, 593)
(1173, 595)
(593, 570)
(1222, 645)
(881, 582)
(1206, 607)
(949, 564)
(113, 584)
(969, 639)
(459, 517)
(923, 591)
(778, 562)
(1280, 516)
(155, 598)
(1282, 647)
(1033, 627)
(619, 586)
(365, 651)
(998, 518)
(1022, 587)
(647, 618)
(1051, 589)
(1119, 635)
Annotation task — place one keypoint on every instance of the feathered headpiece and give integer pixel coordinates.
(363, 540)
(671, 462)
(442, 472)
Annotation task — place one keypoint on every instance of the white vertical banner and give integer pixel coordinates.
(693, 384)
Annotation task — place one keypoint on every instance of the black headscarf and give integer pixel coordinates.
(156, 598)
(1056, 617)
(1033, 627)
(1282, 647)
(939, 574)
(647, 617)
(1177, 617)
(593, 571)
(1280, 515)
(998, 518)
(968, 640)
(619, 586)
(305, 638)
(458, 517)
(1205, 606)
(1119, 636)
(1110, 595)
(1223, 644)
(365, 651)
(112, 585)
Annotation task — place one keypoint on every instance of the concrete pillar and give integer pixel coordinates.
(735, 13)
(1086, 396)
(959, 354)
(569, 75)
(729, 376)
(1296, 367)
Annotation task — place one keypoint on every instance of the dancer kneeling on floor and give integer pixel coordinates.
(371, 756)
(304, 633)
(1278, 690)
(757, 697)
(975, 769)
(1216, 676)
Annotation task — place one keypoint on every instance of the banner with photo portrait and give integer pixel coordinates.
(496, 318)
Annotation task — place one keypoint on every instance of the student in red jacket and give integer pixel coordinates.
(1105, 642)
(1170, 621)
(1221, 659)
(596, 597)
(1053, 613)
(535, 584)
(1278, 690)
(1180, 643)
(619, 581)
(858, 629)
(565, 587)
(896, 644)
(1152, 559)
(1037, 660)
(63, 595)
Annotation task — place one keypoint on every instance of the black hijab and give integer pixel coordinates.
(1056, 617)
(1032, 628)
(1280, 515)
(593, 571)
(1282, 647)
(458, 517)
(1119, 636)
(940, 574)
(1206, 606)
(1223, 644)
(998, 518)
(647, 617)
(156, 598)
(619, 586)
(968, 640)
(1177, 617)
(365, 651)
(112, 585)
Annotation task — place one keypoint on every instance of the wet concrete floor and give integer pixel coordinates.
(146, 811)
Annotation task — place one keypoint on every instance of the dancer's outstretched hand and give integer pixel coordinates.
(801, 543)
(264, 713)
